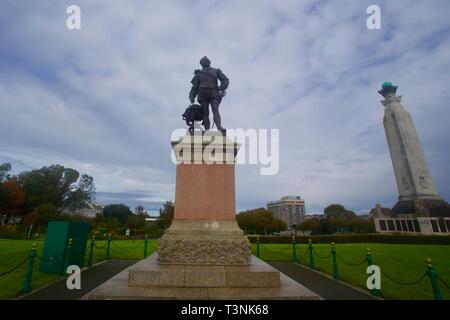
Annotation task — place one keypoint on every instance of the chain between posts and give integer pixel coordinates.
(322, 257)
(285, 250)
(291, 248)
(110, 241)
(431, 273)
(121, 248)
(444, 282)
(15, 268)
(350, 263)
(101, 247)
(402, 282)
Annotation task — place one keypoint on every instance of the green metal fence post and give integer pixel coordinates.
(67, 260)
(257, 246)
(294, 250)
(431, 272)
(335, 266)
(108, 247)
(91, 251)
(145, 246)
(311, 256)
(369, 257)
(374, 292)
(29, 274)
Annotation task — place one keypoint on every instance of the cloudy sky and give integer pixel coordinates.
(105, 99)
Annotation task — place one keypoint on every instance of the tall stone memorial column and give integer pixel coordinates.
(413, 177)
(418, 201)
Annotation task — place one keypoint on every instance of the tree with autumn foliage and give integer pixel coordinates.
(43, 193)
(12, 195)
(12, 198)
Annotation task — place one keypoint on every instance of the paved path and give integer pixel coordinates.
(90, 279)
(325, 287)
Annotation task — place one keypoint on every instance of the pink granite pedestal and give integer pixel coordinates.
(204, 230)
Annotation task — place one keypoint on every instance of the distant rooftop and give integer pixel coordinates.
(291, 198)
(286, 198)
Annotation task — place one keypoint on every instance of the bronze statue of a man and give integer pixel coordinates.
(207, 91)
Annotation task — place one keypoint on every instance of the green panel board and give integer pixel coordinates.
(55, 246)
(54, 251)
(78, 232)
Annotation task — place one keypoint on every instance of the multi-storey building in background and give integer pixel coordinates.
(290, 209)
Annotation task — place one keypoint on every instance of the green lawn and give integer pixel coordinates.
(12, 252)
(404, 263)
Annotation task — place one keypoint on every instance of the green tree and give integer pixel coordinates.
(136, 221)
(339, 219)
(336, 211)
(80, 193)
(362, 225)
(166, 214)
(46, 212)
(340, 224)
(5, 168)
(139, 209)
(60, 186)
(313, 225)
(120, 212)
(259, 221)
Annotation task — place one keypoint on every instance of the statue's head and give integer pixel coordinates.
(205, 62)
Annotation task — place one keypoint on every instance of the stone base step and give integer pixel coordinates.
(149, 273)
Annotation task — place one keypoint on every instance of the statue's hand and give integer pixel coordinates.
(223, 93)
(192, 101)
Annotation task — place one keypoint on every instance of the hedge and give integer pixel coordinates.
(358, 238)
(12, 232)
